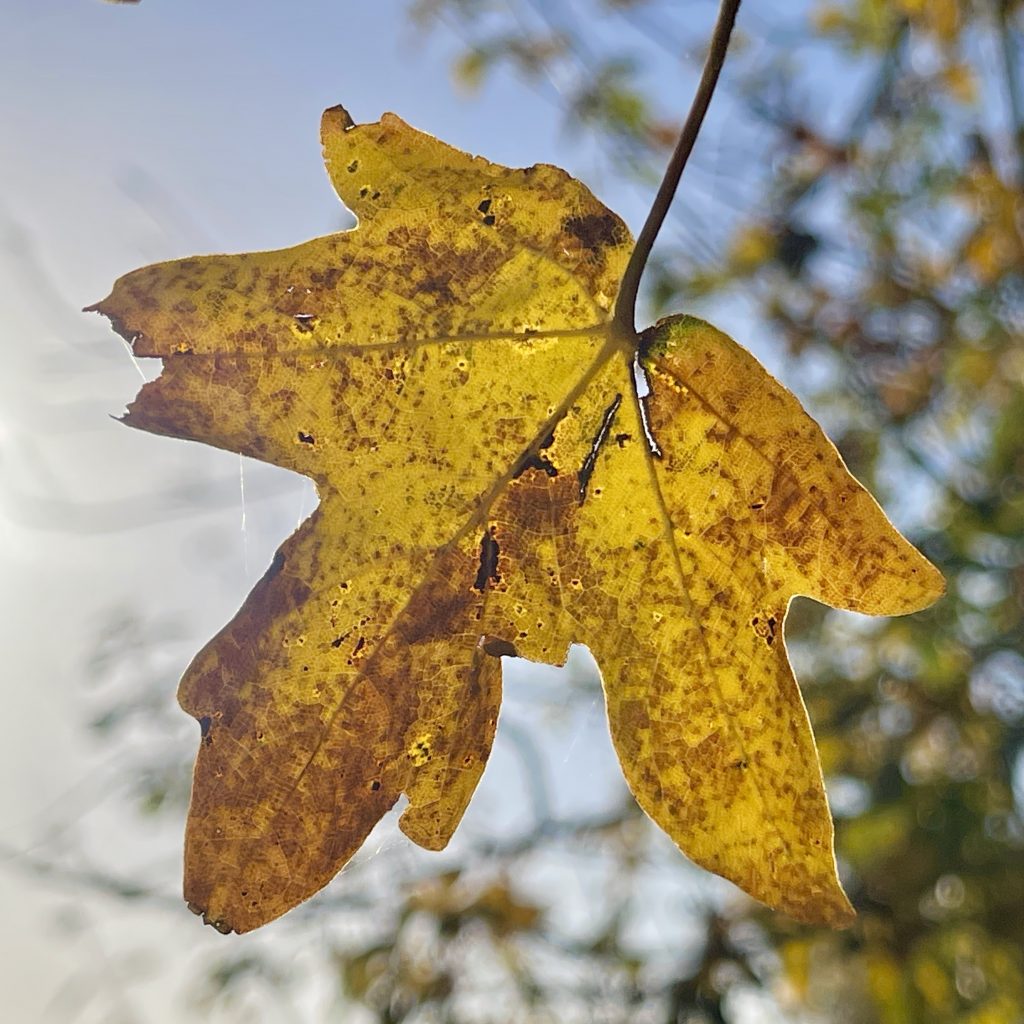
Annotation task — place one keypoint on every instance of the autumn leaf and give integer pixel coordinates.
(492, 483)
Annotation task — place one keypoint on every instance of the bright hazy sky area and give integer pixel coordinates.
(132, 134)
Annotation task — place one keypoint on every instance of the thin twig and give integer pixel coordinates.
(1008, 52)
(625, 305)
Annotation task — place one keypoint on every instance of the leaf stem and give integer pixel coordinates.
(625, 304)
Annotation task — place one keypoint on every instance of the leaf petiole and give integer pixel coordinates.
(625, 304)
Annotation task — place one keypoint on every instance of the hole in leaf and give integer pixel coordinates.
(643, 392)
(587, 469)
(488, 570)
(535, 460)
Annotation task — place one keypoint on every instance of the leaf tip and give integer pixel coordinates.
(106, 308)
(827, 906)
(913, 585)
(837, 913)
(217, 924)
(933, 583)
(336, 118)
(419, 825)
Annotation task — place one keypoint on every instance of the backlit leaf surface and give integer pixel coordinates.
(490, 483)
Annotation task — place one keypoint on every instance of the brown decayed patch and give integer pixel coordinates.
(596, 230)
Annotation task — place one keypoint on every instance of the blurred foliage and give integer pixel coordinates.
(878, 232)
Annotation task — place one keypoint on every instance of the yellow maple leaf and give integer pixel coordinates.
(491, 483)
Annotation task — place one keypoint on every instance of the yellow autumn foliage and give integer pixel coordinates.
(493, 482)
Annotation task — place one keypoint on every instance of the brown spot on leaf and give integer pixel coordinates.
(596, 230)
